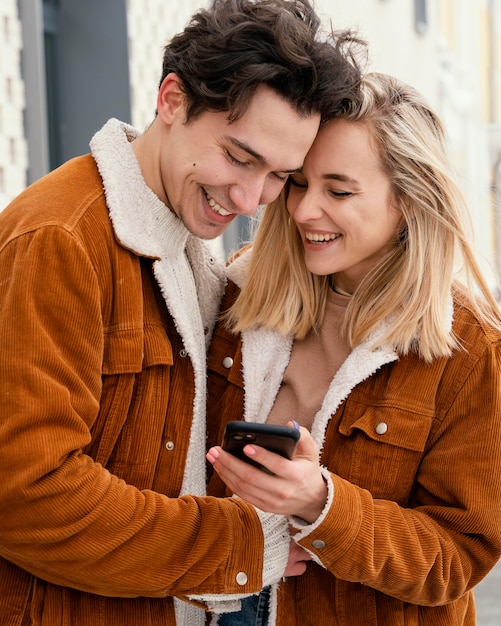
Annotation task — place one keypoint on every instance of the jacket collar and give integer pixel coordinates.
(137, 214)
(266, 354)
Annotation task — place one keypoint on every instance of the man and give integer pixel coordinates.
(109, 297)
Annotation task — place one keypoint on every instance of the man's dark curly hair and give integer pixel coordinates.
(227, 51)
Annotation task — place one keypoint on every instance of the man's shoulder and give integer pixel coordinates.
(59, 199)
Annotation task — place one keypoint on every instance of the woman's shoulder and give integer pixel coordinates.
(472, 322)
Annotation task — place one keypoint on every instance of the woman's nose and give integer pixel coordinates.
(308, 208)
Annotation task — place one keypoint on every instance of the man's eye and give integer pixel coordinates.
(281, 177)
(235, 160)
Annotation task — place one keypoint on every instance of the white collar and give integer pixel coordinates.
(142, 222)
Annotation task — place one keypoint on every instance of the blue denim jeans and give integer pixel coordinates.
(254, 611)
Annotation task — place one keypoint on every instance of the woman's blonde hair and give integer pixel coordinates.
(413, 282)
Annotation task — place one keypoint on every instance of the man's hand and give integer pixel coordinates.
(298, 560)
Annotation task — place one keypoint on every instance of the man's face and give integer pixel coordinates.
(211, 170)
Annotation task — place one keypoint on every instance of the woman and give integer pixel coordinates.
(354, 323)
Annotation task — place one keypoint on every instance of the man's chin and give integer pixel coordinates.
(208, 231)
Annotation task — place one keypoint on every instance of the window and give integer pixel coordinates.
(52, 79)
(420, 16)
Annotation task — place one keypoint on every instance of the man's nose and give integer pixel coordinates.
(247, 195)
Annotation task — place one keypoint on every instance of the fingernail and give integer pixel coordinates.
(296, 425)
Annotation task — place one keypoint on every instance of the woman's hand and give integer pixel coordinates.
(295, 487)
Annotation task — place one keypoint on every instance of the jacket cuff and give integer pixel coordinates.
(276, 555)
(302, 527)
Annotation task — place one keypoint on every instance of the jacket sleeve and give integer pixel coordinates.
(440, 544)
(64, 517)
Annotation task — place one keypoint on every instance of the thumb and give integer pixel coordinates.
(306, 447)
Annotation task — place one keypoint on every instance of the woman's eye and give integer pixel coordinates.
(299, 183)
(341, 194)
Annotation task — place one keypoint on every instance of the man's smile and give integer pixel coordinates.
(216, 207)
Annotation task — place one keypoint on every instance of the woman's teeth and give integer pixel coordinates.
(217, 208)
(317, 237)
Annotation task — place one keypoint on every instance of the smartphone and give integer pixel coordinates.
(279, 439)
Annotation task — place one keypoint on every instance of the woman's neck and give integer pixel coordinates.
(337, 289)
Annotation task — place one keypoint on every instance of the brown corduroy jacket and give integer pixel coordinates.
(414, 455)
(96, 409)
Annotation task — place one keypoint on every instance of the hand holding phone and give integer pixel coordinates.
(301, 489)
(278, 439)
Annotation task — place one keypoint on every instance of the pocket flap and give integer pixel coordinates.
(130, 350)
(389, 425)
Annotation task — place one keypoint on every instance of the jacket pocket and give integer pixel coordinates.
(385, 446)
(130, 357)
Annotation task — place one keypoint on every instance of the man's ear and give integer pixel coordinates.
(170, 99)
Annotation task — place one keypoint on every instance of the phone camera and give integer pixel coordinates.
(240, 436)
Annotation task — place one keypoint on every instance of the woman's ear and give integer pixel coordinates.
(171, 99)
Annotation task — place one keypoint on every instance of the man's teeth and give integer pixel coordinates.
(319, 237)
(217, 208)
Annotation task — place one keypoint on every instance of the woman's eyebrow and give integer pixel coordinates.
(341, 177)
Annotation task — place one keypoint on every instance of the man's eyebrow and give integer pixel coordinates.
(259, 157)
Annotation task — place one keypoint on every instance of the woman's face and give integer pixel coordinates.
(341, 203)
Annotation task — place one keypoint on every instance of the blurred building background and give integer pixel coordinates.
(66, 66)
